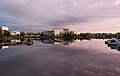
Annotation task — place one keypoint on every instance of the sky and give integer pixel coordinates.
(77, 15)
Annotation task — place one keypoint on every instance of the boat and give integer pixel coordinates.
(106, 42)
(29, 42)
(112, 42)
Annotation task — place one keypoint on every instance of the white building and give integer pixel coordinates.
(4, 28)
(15, 33)
(49, 33)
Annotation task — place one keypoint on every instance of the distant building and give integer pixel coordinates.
(66, 31)
(4, 28)
(15, 33)
(72, 32)
(49, 33)
(118, 33)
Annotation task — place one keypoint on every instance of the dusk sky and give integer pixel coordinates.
(77, 15)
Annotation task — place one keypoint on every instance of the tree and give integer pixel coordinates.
(6, 33)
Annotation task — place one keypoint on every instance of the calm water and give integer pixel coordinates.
(81, 58)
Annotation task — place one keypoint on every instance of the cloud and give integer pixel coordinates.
(49, 14)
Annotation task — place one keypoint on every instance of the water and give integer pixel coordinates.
(81, 58)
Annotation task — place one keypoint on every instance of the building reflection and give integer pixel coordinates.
(48, 41)
(56, 41)
(29, 41)
(4, 47)
(67, 41)
(13, 42)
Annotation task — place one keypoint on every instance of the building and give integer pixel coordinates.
(15, 33)
(4, 28)
(72, 32)
(66, 31)
(49, 33)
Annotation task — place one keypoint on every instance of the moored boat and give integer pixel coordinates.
(112, 42)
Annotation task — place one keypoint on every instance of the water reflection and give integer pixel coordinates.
(4, 47)
(58, 41)
(84, 58)
(13, 42)
(113, 44)
(29, 41)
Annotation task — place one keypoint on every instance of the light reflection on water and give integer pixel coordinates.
(81, 58)
(91, 43)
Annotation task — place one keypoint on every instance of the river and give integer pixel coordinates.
(80, 58)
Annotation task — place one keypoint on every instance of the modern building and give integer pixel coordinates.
(66, 31)
(49, 33)
(15, 33)
(4, 28)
